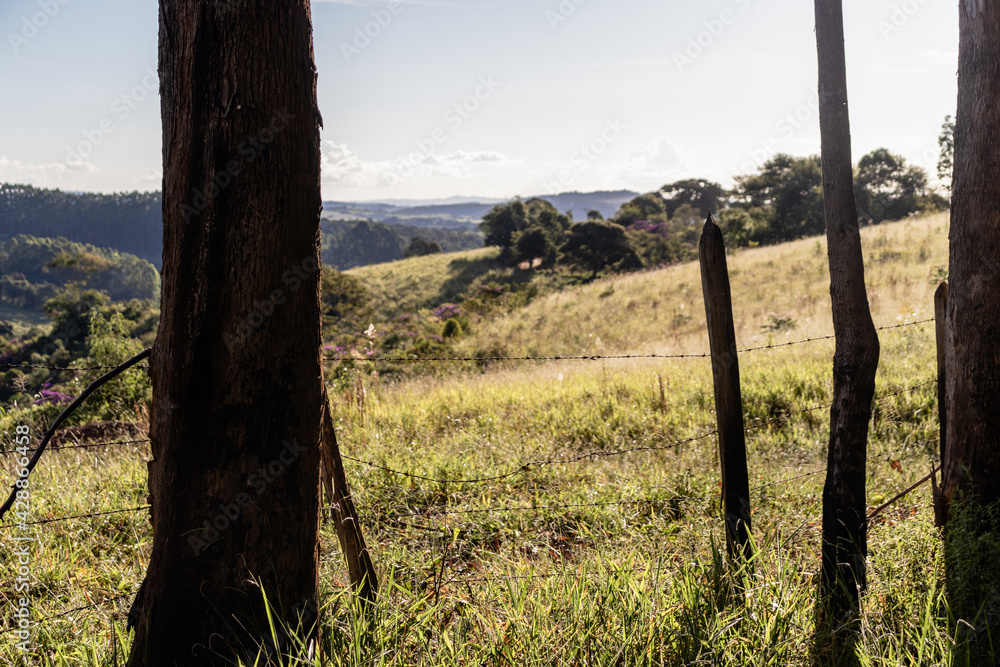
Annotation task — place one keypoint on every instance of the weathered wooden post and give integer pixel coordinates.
(360, 568)
(726, 377)
(941, 330)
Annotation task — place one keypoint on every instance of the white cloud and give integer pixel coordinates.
(661, 160)
(344, 167)
(48, 175)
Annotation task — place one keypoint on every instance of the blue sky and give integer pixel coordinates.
(497, 98)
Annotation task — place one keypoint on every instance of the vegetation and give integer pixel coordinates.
(127, 221)
(33, 270)
(611, 559)
(352, 243)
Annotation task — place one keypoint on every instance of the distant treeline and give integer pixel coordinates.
(351, 243)
(782, 202)
(127, 221)
(131, 222)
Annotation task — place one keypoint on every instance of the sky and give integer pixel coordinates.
(430, 99)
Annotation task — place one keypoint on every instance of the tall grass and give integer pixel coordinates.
(594, 535)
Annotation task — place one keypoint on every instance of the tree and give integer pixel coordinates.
(789, 191)
(972, 388)
(650, 207)
(420, 248)
(946, 145)
(235, 368)
(594, 214)
(503, 223)
(886, 188)
(702, 194)
(597, 245)
(855, 361)
(535, 242)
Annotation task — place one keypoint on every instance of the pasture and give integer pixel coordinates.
(566, 512)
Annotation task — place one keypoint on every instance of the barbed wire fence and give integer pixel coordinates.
(429, 513)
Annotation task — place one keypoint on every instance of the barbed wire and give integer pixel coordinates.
(89, 445)
(602, 357)
(10, 366)
(524, 467)
(496, 358)
(71, 518)
(85, 607)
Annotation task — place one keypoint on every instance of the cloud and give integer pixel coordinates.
(344, 167)
(49, 174)
(663, 159)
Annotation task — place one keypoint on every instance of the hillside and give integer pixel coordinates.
(779, 292)
(33, 270)
(510, 506)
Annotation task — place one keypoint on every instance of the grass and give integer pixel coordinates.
(606, 549)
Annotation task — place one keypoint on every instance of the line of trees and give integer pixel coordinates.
(781, 202)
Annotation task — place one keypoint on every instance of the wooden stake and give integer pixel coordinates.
(728, 400)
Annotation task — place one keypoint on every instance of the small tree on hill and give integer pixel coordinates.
(419, 248)
(597, 245)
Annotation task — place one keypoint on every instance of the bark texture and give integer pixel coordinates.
(972, 459)
(236, 375)
(845, 538)
(971, 494)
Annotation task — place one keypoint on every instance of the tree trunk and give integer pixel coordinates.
(973, 361)
(857, 348)
(970, 490)
(236, 374)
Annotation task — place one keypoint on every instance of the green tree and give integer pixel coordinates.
(597, 245)
(650, 207)
(419, 248)
(702, 194)
(886, 188)
(790, 190)
(533, 243)
(502, 224)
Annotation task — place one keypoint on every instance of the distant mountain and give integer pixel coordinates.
(459, 212)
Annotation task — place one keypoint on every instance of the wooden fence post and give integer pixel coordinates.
(940, 326)
(360, 568)
(726, 377)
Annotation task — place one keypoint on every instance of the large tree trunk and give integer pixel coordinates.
(236, 375)
(973, 362)
(857, 348)
(972, 428)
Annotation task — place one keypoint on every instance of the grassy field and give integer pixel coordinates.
(566, 512)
